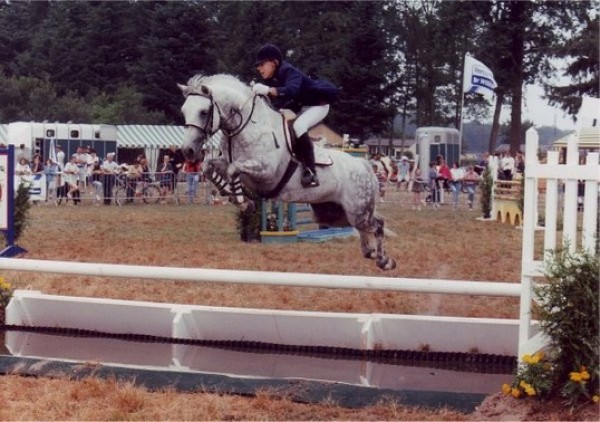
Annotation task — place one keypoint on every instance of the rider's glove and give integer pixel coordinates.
(260, 89)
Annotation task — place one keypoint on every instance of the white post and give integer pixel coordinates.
(590, 205)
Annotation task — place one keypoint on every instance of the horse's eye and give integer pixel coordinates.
(203, 113)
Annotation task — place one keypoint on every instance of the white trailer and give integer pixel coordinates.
(35, 137)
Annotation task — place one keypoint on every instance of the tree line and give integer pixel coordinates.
(118, 62)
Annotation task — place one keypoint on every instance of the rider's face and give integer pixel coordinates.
(267, 68)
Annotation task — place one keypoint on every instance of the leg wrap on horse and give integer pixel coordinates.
(220, 183)
(237, 191)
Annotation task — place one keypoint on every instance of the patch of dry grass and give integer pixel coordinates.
(96, 399)
(429, 244)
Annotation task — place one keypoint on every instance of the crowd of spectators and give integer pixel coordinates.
(84, 171)
(440, 178)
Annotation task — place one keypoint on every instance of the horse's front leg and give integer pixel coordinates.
(216, 171)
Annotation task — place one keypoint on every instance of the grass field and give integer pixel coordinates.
(431, 243)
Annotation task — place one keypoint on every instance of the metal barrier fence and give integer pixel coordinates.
(119, 189)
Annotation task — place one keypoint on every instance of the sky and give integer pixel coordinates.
(537, 110)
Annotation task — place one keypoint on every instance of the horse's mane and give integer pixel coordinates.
(195, 82)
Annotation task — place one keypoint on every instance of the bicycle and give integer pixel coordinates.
(127, 190)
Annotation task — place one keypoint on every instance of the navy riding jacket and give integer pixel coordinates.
(296, 90)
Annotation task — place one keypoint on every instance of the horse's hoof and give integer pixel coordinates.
(371, 255)
(386, 263)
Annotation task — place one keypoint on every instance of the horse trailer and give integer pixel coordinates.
(433, 141)
(36, 137)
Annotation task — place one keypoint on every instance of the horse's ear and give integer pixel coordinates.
(204, 89)
(184, 89)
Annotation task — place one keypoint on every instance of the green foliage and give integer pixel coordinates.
(248, 223)
(22, 206)
(533, 378)
(486, 186)
(568, 315)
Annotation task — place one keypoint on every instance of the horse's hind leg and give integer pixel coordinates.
(383, 261)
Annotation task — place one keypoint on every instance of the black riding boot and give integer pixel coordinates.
(306, 154)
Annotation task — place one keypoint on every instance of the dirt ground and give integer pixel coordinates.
(427, 244)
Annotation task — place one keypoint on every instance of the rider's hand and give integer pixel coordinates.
(261, 89)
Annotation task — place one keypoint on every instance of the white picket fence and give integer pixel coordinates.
(560, 179)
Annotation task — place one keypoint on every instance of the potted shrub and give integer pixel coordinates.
(486, 186)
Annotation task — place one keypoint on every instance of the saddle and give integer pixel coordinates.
(322, 157)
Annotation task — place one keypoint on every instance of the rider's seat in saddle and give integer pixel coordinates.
(322, 157)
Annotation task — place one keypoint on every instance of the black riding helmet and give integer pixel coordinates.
(268, 52)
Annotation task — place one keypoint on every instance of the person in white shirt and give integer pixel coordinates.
(71, 177)
(507, 164)
(60, 157)
(109, 170)
(458, 174)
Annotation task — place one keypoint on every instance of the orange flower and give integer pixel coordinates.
(575, 376)
(506, 389)
(595, 398)
(515, 392)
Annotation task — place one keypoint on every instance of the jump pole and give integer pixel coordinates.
(331, 281)
(7, 202)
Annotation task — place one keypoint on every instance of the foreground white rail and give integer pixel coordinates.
(332, 281)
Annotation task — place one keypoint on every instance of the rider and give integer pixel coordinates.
(290, 88)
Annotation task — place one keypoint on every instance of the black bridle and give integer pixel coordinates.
(209, 122)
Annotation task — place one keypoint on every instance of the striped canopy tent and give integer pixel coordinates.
(154, 138)
(4, 134)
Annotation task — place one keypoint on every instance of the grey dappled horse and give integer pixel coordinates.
(255, 155)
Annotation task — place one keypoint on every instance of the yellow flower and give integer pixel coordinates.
(540, 355)
(527, 358)
(595, 398)
(530, 391)
(575, 376)
(506, 389)
(585, 375)
(516, 393)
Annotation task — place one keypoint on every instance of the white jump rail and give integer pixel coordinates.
(332, 281)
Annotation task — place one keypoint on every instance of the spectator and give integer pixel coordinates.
(418, 186)
(51, 170)
(109, 171)
(443, 177)
(22, 168)
(81, 162)
(71, 177)
(92, 158)
(23, 152)
(457, 175)
(471, 180)
(482, 164)
(134, 178)
(60, 157)
(96, 181)
(403, 172)
(165, 176)
(37, 167)
(192, 178)
(519, 164)
(177, 159)
(433, 184)
(507, 165)
(381, 176)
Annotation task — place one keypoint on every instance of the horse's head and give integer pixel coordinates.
(201, 120)
(212, 103)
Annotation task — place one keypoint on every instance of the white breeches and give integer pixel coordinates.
(309, 117)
